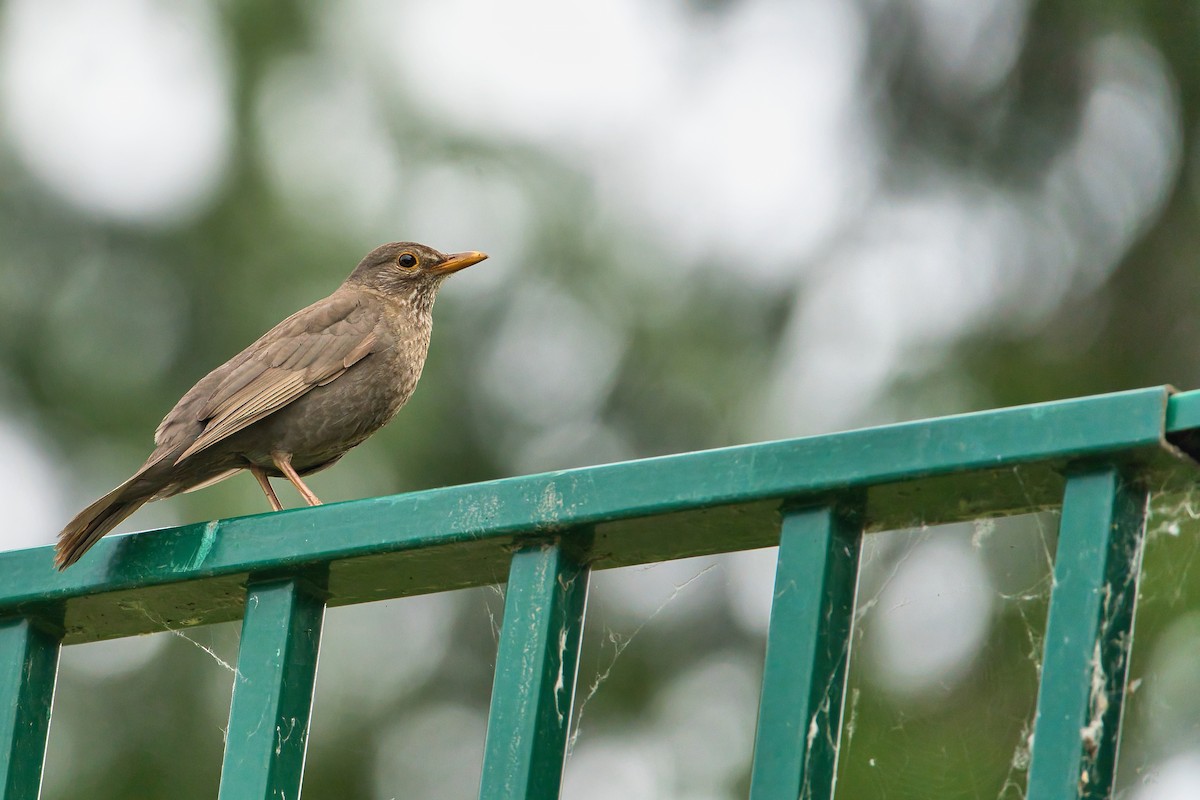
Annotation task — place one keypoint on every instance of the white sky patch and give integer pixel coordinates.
(708, 717)
(550, 360)
(325, 147)
(118, 658)
(1171, 703)
(751, 586)
(122, 108)
(380, 649)
(722, 134)
(30, 489)
(1177, 778)
(754, 154)
(933, 259)
(567, 445)
(604, 767)
(683, 589)
(924, 267)
(573, 76)
(971, 46)
(1126, 157)
(463, 208)
(432, 753)
(930, 619)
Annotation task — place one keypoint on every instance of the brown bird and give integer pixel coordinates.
(296, 400)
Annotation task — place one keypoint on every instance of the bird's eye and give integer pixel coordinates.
(407, 260)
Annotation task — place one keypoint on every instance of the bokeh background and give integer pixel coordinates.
(711, 222)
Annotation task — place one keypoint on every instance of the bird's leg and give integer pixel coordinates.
(284, 462)
(265, 484)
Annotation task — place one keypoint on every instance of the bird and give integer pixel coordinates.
(297, 399)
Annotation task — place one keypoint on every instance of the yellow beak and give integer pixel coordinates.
(456, 261)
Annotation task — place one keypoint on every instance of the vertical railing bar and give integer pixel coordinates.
(537, 663)
(273, 691)
(28, 670)
(1089, 634)
(808, 650)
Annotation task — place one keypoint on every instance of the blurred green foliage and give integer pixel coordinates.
(103, 324)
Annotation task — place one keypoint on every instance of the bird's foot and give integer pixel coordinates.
(283, 461)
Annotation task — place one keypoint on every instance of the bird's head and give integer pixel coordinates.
(409, 270)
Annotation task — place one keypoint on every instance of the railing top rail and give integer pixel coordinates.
(640, 511)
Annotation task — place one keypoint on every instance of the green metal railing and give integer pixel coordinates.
(1096, 458)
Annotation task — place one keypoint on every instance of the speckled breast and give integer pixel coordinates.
(320, 426)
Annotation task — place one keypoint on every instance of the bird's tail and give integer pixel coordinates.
(96, 520)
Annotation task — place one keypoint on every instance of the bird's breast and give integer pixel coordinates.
(328, 420)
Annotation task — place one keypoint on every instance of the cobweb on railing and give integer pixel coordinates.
(1160, 744)
(668, 681)
(940, 703)
(947, 651)
(946, 655)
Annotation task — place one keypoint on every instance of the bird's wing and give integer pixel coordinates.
(310, 348)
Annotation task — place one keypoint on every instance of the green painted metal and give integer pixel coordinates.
(938, 470)
(548, 531)
(28, 667)
(1183, 422)
(536, 665)
(1088, 637)
(808, 650)
(1183, 412)
(273, 691)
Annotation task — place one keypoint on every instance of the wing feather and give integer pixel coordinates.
(313, 347)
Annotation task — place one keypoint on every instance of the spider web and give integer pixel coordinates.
(942, 690)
